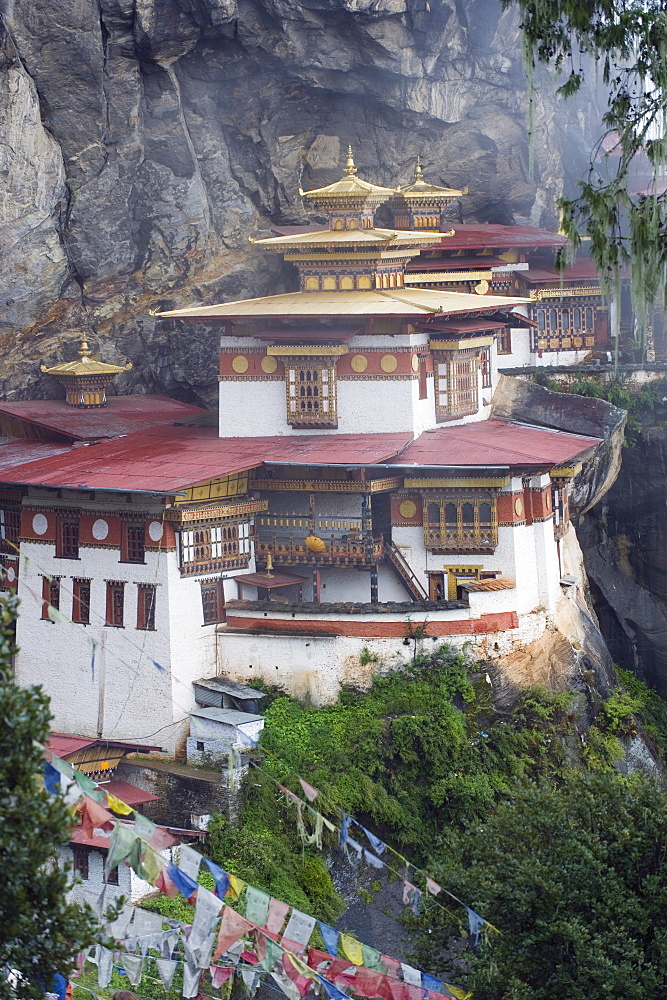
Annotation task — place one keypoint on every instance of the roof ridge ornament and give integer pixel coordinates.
(419, 173)
(350, 168)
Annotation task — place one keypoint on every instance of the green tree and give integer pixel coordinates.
(623, 44)
(574, 878)
(40, 933)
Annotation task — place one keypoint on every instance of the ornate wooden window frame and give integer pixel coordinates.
(564, 326)
(214, 546)
(319, 408)
(456, 383)
(10, 529)
(451, 534)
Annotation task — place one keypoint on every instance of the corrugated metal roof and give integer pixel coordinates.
(121, 415)
(400, 302)
(480, 236)
(228, 716)
(169, 459)
(127, 793)
(277, 579)
(18, 451)
(494, 444)
(480, 586)
(226, 686)
(65, 744)
(580, 270)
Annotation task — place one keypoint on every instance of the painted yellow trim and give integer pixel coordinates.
(459, 345)
(440, 484)
(308, 350)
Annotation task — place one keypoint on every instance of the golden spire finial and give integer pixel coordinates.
(419, 173)
(84, 350)
(349, 165)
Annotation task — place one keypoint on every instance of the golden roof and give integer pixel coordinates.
(85, 365)
(422, 189)
(383, 239)
(381, 302)
(349, 187)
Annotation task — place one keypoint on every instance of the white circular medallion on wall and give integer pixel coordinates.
(155, 531)
(100, 529)
(10, 574)
(40, 524)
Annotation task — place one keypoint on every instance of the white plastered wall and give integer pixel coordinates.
(102, 681)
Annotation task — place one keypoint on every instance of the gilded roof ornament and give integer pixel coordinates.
(85, 365)
(349, 164)
(422, 189)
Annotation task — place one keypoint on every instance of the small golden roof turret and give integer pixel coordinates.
(420, 189)
(349, 192)
(85, 380)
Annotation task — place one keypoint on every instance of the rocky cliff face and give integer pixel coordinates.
(624, 539)
(143, 141)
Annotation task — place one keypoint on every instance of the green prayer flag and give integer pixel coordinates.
(273, 954)
(153, 864)
(371, 958)
(143, 827)
(121, 843)
(256, 905)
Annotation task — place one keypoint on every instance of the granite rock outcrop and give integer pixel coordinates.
(142, 142)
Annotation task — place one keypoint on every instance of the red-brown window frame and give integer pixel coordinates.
(10, 529)
(114, 620)
(80, 861)
(133, 542)
(146, 592)
(218, 614)
(67, 536)
(50, 595)
(81, 601)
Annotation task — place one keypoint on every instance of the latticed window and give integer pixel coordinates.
(564, 328)
(213, 601)
(459, 524)
(485, 367)
(81, 601)
(215, 546)
(133, 543)
(50, 595)
(146, 596)
(80, 861)
(311, 395)
(504, 340)
(456, 386)
(115, 604)
(67, 538)
(10, 527)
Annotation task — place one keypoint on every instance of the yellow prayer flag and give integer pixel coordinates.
(301, 966)
(352, 949)
(118, 806)
(236, 887)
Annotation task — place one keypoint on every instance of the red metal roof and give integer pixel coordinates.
(101, 840)
(121, 415)
(19, 451)
(169, 459)
(64, 744)
(318, 334)
(277, 579)
(494, 444)
(580, 270)
(454, 263)
(481, 236)
(127, 793)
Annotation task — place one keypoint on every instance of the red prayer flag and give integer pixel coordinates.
(371, 984)
(301, 982)
(392, 965)
(290, 795)
(432, 886)
(232, 927)
(397, 990)
(93, 816)
(275, 918)
(308, 790)
(317, 958)
(165, 884)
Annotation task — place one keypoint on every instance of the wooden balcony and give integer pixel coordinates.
(341, 550)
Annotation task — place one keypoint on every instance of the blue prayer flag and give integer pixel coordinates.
(476, 923)
(331, 990)
(51, 778)
(431, 983)
(375, 842)
(221, 877)
(330, 937)
(344, 829)
(183, 882)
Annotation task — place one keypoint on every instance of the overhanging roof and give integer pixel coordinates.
(405, 302)
(494, 443)
(170, 459)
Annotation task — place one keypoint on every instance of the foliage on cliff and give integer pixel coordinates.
(40, 933)
(624, 45)
(573, 875)
(422, 752)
